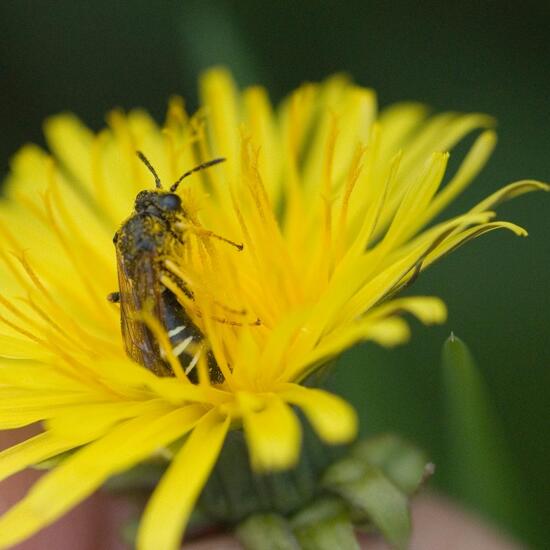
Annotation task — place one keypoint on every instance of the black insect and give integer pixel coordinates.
(142, 243)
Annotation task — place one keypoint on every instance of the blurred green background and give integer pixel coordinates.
(87, 57)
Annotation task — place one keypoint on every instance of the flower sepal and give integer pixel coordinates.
(236, 491)
(322, 502)
(368, 489)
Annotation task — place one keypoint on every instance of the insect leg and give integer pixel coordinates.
(201, 232)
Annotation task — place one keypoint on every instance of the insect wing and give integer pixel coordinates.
(139, 288)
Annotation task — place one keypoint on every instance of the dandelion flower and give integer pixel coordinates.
(332, 203)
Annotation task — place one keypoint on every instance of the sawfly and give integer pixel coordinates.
(146, 237)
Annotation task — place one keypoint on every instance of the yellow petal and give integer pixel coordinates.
(34, 450)
(332, 418)
(22, 406)
(30, 400)
(471, 166)
(386, 332)
(510, 191)
(12, 347)
(71, 141)
(219, 97)
(415, 201)
(440, 133)
(79, 475)
(428, 309)
(399, 267)
(397, 123)
(96, 419)
(168, 510)
(455, 241)
(265, 137)
(35, 375)
(12, 419)
(272, 432)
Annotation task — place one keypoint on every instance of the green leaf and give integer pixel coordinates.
(403, 463)
(368, 491)
(325, 525)
(266, 532)
(480, 471)
(214, 38)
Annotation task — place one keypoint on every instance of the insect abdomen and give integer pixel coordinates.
(186, 339)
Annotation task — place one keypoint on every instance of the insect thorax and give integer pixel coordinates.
(144, 234)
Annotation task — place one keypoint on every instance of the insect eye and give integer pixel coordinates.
(170, 201)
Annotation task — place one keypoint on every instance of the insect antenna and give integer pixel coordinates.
(145, 161)
(202, 166)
